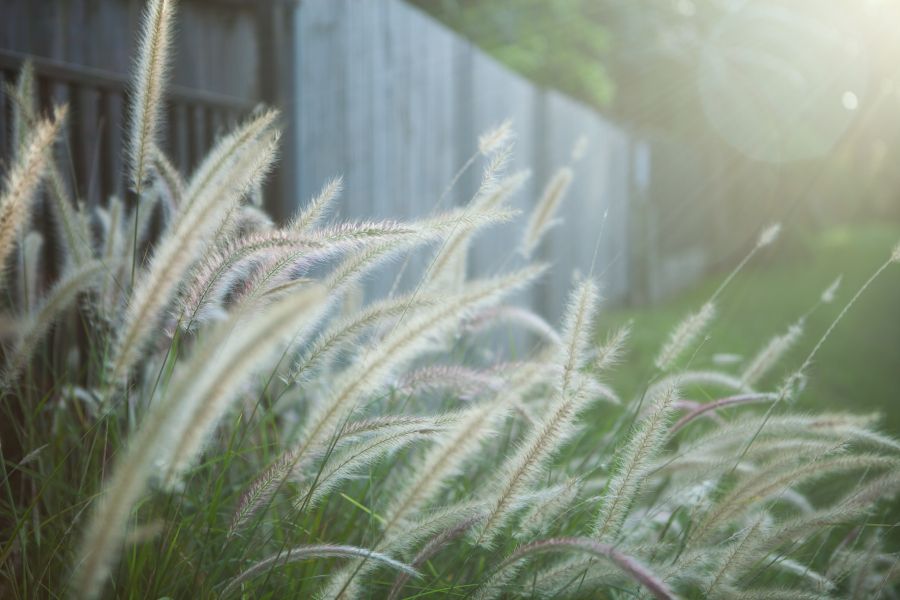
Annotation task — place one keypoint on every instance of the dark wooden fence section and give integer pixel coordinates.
(227, 60)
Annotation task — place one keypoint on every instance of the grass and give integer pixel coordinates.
(858, 369)
(231, 425)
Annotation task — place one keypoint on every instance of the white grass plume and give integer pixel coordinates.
(359, 264)
(628, 565)
(263, 488)
(831, 291)
(523, 318)
(21, 184)
(207, 384)
(492, 140)
(451, 256)
(542, 442)
(542, 218)
(857, 503)
(543, 513)
(175, 429)
(318, 207)
(260, 492)
(777, 478)
(895, 253)
(226, 152)
(829, 426)
(793, 383)
(314, 551)
(345, 331)
(464, 382)
(737, 556)
(434, 545)
(355, 267)
(350, 460)
(703, 379)
(446, 459)
(71, 222)
(633, 464)
(403, 344)
(580, 148)
(610, 352)
(187, 239)
(146, 111)
(267, 259)
(342, 584)
(770, 355)
(768, 235)
(684, 335)
(74, 236)
(698, 409)
(280, 266)
(551, 581)
(261, 258)
(58, 299)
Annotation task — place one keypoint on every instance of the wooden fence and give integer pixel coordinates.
(395, 101)
(371, 89)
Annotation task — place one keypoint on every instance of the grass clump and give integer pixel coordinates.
(221, 419)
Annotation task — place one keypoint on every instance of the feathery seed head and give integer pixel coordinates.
(768, 235)
(496, 138)
(173, 432)
(895, 253)
(792, 386)
(772, 353)
(513, 315)
(319, 206)
(629, 565)
(23, 179)
(237, 162)
(542, 219)
(550, 433)
(146, 111)
(684, 335)
(634, 462)
(404, 343)
(609, 354)
(831, 291)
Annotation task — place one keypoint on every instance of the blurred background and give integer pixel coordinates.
(690, 124)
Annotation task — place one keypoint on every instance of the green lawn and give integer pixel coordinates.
(857, 370)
